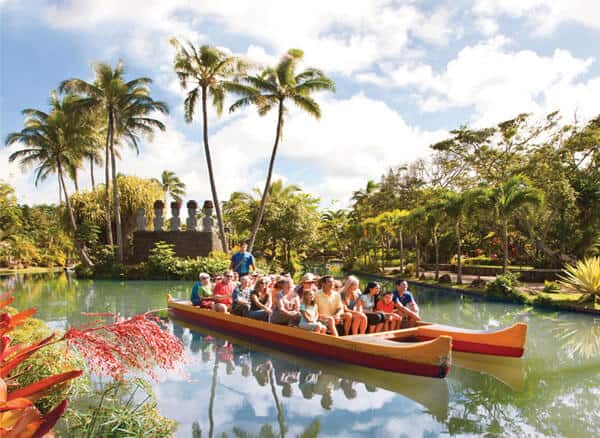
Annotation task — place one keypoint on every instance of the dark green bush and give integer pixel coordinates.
(162, 264)
(504, 287)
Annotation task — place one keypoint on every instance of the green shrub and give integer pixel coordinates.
(503, 287)
(162, 264)
(551, 287)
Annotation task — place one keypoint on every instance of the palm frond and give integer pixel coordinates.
(312, 85)
(308, 104)
(189, 104)
(286, 66)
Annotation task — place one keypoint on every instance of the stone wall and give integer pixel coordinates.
(187, 243)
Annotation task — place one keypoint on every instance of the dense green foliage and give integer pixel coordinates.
(162, 264)
(525, 192)
(31, 236)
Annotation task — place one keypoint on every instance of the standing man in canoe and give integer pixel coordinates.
(242, 261)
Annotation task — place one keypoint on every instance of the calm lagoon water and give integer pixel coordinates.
(233, 387)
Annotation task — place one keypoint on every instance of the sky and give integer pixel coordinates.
(406, 73)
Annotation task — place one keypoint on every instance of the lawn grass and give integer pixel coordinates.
(31, 270)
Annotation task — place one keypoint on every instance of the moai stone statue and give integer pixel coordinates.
(140, 219)
(208, 223)
(191, 222)
(175, 220)
(159, 220)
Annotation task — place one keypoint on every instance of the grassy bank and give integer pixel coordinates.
(31, 270)
(520, 295)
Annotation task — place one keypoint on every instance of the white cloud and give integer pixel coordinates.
(345, 36)
(544, 16)
(499, 82)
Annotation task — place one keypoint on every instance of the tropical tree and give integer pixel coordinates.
(509, 198)
(335, 222)
(272, 89)
(457, 206)
(416, 223)
(209, 72)
(171, 185)
(434, 217)
(127, 108)
(51, 143)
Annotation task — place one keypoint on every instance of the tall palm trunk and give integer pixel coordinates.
(117, 210)
(92, 173)
(401, 238)
(213, 187)
(417, 271)
(263, 200)
(75, 181)
(437, 252)
(505, 245)
(78, 245)
(458, 254)
(59, 190)
(109, 235)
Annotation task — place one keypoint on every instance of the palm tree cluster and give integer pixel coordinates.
(89, 117)
(208, 72)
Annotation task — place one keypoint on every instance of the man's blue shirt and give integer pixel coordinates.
(404, 299)
(241, 262)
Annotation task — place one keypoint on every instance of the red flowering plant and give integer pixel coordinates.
(139, 343)
(135, 344)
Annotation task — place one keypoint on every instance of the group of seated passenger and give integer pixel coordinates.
(322, 305)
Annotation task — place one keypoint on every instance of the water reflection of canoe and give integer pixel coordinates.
(508, 342)
(508, 370)
(430, 358)
(430, 393)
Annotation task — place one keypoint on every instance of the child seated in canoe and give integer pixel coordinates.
(309, 314)
(202, 292)
(386, 305)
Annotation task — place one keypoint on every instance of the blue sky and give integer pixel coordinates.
(406, 73)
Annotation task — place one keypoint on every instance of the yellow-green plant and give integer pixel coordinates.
(583, 277)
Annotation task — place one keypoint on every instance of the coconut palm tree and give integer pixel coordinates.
(171, 185)
(127, 108)
(52, 143)
(509, 198)
(456, 205)
(209, 71)
(272, 89)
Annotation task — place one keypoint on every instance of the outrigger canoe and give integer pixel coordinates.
(430, 358)
(508, 342)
